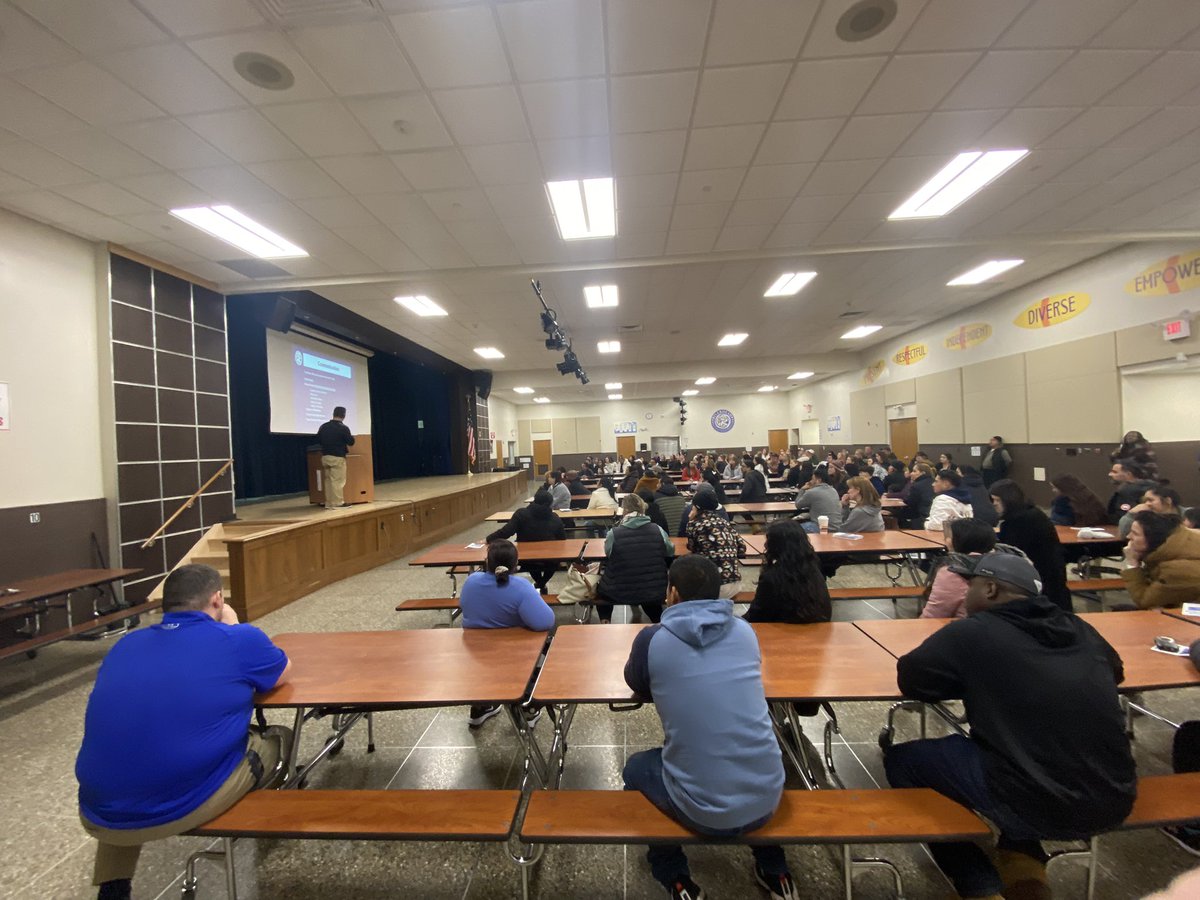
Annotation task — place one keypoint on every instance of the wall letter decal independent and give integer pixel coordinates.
(1052, 310)
(968, 336)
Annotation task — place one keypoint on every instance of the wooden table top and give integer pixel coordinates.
(827, 661)
(1069, 535)
(595, 549)
(770, 506)
(878, 542)
(529, 551)
(900, 636)
(43, 587)
(421, 667)
(563, 514)
(891, 503)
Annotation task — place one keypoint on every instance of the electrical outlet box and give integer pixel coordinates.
(35, 518)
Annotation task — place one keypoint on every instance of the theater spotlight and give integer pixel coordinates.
(556, 341)
(569, 364)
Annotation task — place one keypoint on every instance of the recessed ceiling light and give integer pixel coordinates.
(690, 392)
(263, 71)
(608, 346)
(705, 380)
(615, 396)
(600, 295)
(988, 270)
(800, 376)
(613, 386)
(236, 228)
(541, 399)
(789, 283)
(489, 353)
(766, 389)
(732, 340)
(860, 332)
(959, 179)
(523, 390)
(421, 305)
(583, 209)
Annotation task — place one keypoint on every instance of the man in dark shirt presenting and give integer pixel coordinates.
(1048, 758)
(335, 438)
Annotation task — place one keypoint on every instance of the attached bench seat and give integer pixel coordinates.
(449, 603)
(31, 645)
(1083, 585)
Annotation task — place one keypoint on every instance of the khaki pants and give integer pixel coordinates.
(117, 854)
(335, 480)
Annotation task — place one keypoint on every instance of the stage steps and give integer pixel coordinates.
(211, 550)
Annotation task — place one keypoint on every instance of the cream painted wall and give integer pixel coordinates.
(502, 419)
(49, 358)
(1162, 405)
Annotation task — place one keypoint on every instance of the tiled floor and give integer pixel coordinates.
(44, 853)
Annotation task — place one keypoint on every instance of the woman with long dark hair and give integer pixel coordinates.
(1075, 504)
(791, 587)
(1027, 528)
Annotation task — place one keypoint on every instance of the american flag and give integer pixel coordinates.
(470, 440)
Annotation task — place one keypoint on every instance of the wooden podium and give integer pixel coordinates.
(360, 474)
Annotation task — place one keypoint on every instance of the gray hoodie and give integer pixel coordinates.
(821, 500)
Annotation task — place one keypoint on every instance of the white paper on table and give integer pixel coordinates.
(1191, 609)
(476, 545)
(1183, 651)
(848, 535)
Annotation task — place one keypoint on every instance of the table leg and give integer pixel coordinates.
(294, 752)
(831, 728)
(791, 739)
(535, 760)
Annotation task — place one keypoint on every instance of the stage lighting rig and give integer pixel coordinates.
(558, 339)
(682, 409)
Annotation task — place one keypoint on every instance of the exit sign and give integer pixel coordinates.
(1177, 329)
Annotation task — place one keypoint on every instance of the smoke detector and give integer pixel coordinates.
(865, 19)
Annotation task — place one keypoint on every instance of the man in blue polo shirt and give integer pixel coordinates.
(166, 745)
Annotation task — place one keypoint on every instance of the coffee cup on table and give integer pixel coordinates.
(823, 522)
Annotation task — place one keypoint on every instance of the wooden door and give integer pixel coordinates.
(626, 445)
(499, 461)
(777, 440)
(542, 458)
(903, 435)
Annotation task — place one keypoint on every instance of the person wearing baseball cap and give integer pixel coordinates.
(1047, 757)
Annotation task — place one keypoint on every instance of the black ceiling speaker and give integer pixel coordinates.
(281, 316)
(483, 382)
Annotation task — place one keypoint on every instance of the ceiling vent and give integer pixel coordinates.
(629, 329)
(254, 268)
(307, 12)
(263, 71)
(866, 19)
(852, 314)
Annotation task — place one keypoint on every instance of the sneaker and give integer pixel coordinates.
(1187, 837)
(686, 889)
(777, 885)
(480, 714)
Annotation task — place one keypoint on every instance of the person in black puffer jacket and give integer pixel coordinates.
(981, 500)
(1027, 528)
(920, 498)
(535, 522)
(637, 556)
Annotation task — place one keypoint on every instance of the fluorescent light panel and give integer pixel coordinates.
(860, 332)
(789, 284)
(541, 399)
(240, 230)
(489, 353)
(766, 389)
(800, 376)
(615, 396)
(421, 305)
(690, 392)
(583, 209)
(522, 390)
(601, 295)
(985, 272)
(963, 176)
(613, 386)
(705, 380)
(608, 346)
(732, 340)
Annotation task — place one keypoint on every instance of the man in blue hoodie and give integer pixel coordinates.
(701, 666)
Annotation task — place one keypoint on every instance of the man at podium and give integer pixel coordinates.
(335, 439)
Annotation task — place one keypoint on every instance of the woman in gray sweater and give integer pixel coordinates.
(863, 513)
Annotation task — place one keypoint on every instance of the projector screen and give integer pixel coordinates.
(307, 379)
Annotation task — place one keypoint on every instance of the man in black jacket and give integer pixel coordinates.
(1130, 485)
(335, 439)
(535, 522)
(1048, 758)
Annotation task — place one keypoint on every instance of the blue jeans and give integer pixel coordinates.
(953, 766)
(644, 772)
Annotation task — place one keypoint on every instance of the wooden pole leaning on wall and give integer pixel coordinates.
(187, 504)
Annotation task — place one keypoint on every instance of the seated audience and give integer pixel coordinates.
(1024, 526)
(167, 743)
(653, 513)
(896, 482)
(1191, 517)
(1074, 504)
(602, 496)
(754, 486)
(946, 590)
(1138, 450)
(691, 472)
(668, 499)
(819, 498)
(945, 461)
(863, 511)
(576, 487)
(1160, 499)
(493, 599)
(649, 481)
(714, 536)
(633, 475)
(981, 500)
(920, 497)
(721, 772)
(637, 553)
(920, 458)
(1131, 484)
(733, 469)
(790, 585)
(535, 522)
(950, 500)
(687, 509)
(1047, 757)
(560, 493)
(1162, 561)
(997, 461)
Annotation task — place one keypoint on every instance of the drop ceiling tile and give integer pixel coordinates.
(845, 233)
(1096, 126)
(166, 190)
(187, 18)
(28, 44)
(483, 115)
(431, 170)
(383, 248)
(953, 131)
(1028, 127)
(173, 78)
(758, 212)
(296, 178)
(1088, 76)
(454, 47)
(764, 182)
(653, 37)
(565, 109)
(793, 235)
(460, 206)
(797, 142)
(1062, 23)
(356, 58)
(1154, 24)
(27, 114)
(823, 40)
(321, 128)
(1161, 129)
(742, 237)
(738, 95)
(958, 24)
(551, 39)
(55, 210)
(709, 185)
(1168, 163)
(748, 31)
(699, 215)
(90, 93)
(244, 135)
(1003, 77)
(635, 191)
(485, 242)
(639, 246)
(576, 158)
(867, 137)
(373, 173)
(421, 124)
(718, 148)
(438, 249)
(871, 207)
(838, 177)
(691, 240)
(1170, 76)
(822, 209)
(915, 82)
(106, 198)
(652, 102)
(220, 52)
(98, 153)
(403, 211)
(98, 26)
(644, 220)
(338, 213)
(826, 88)
(31, 162)
(504, 163)
(519, 201)
(233, 185)
(11, 183)
(1101, 165)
